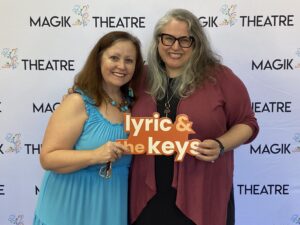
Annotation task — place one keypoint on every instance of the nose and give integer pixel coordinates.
(121, 64)
(176, 45)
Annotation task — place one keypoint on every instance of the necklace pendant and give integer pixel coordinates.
(167, 111)
(123, 106)
(113, 103)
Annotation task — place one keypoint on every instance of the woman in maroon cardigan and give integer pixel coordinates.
(185, 77)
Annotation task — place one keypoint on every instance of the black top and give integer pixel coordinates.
(161, 209)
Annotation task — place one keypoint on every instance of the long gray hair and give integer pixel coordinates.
(194, 72)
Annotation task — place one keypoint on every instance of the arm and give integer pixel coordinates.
(240, 119)
(63, 130)
(209, 149)
(236, 136)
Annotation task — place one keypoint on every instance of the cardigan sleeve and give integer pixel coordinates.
(237, 104)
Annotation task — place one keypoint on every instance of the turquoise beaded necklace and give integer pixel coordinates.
(123, 106)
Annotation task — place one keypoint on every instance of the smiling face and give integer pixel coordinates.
(118, 64)
(175, 57)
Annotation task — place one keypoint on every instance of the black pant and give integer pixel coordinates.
(230, 210)
(146, 218)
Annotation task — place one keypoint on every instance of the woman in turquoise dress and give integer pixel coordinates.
(86, 178)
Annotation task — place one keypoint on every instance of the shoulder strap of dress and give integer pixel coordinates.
(88, 102)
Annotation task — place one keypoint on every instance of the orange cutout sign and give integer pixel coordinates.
(159, 136)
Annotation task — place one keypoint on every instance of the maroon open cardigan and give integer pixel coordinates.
(203, 188)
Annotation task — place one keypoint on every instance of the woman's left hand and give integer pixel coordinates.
(208, 150)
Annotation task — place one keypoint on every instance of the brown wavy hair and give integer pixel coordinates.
(90, 79)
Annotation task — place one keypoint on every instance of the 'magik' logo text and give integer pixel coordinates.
(44, 107)
(277, 148)
(275, 64)
(271, 149)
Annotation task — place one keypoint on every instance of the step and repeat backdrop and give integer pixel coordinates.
(43, 44)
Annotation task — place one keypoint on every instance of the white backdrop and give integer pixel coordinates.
(43, 44)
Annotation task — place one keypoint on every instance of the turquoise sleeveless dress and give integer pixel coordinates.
(83, 197)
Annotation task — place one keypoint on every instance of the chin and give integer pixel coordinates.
(120, 84)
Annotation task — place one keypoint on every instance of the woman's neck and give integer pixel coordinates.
(114, 93)
(173, 73)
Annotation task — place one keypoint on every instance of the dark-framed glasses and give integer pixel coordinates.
(169, 40)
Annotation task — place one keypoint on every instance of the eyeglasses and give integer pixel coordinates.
(169, 40)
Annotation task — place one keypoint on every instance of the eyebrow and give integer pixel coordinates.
(188, 36)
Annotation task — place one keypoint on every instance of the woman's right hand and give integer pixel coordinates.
(70, 91)
(109, 152)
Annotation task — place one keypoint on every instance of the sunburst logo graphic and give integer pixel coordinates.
(82, 15)
(15, 141)
(298, 58)
(18, 220)
(9, 58)
(229, 12)
(297, 140)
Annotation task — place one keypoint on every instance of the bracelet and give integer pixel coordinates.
(222, 149)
